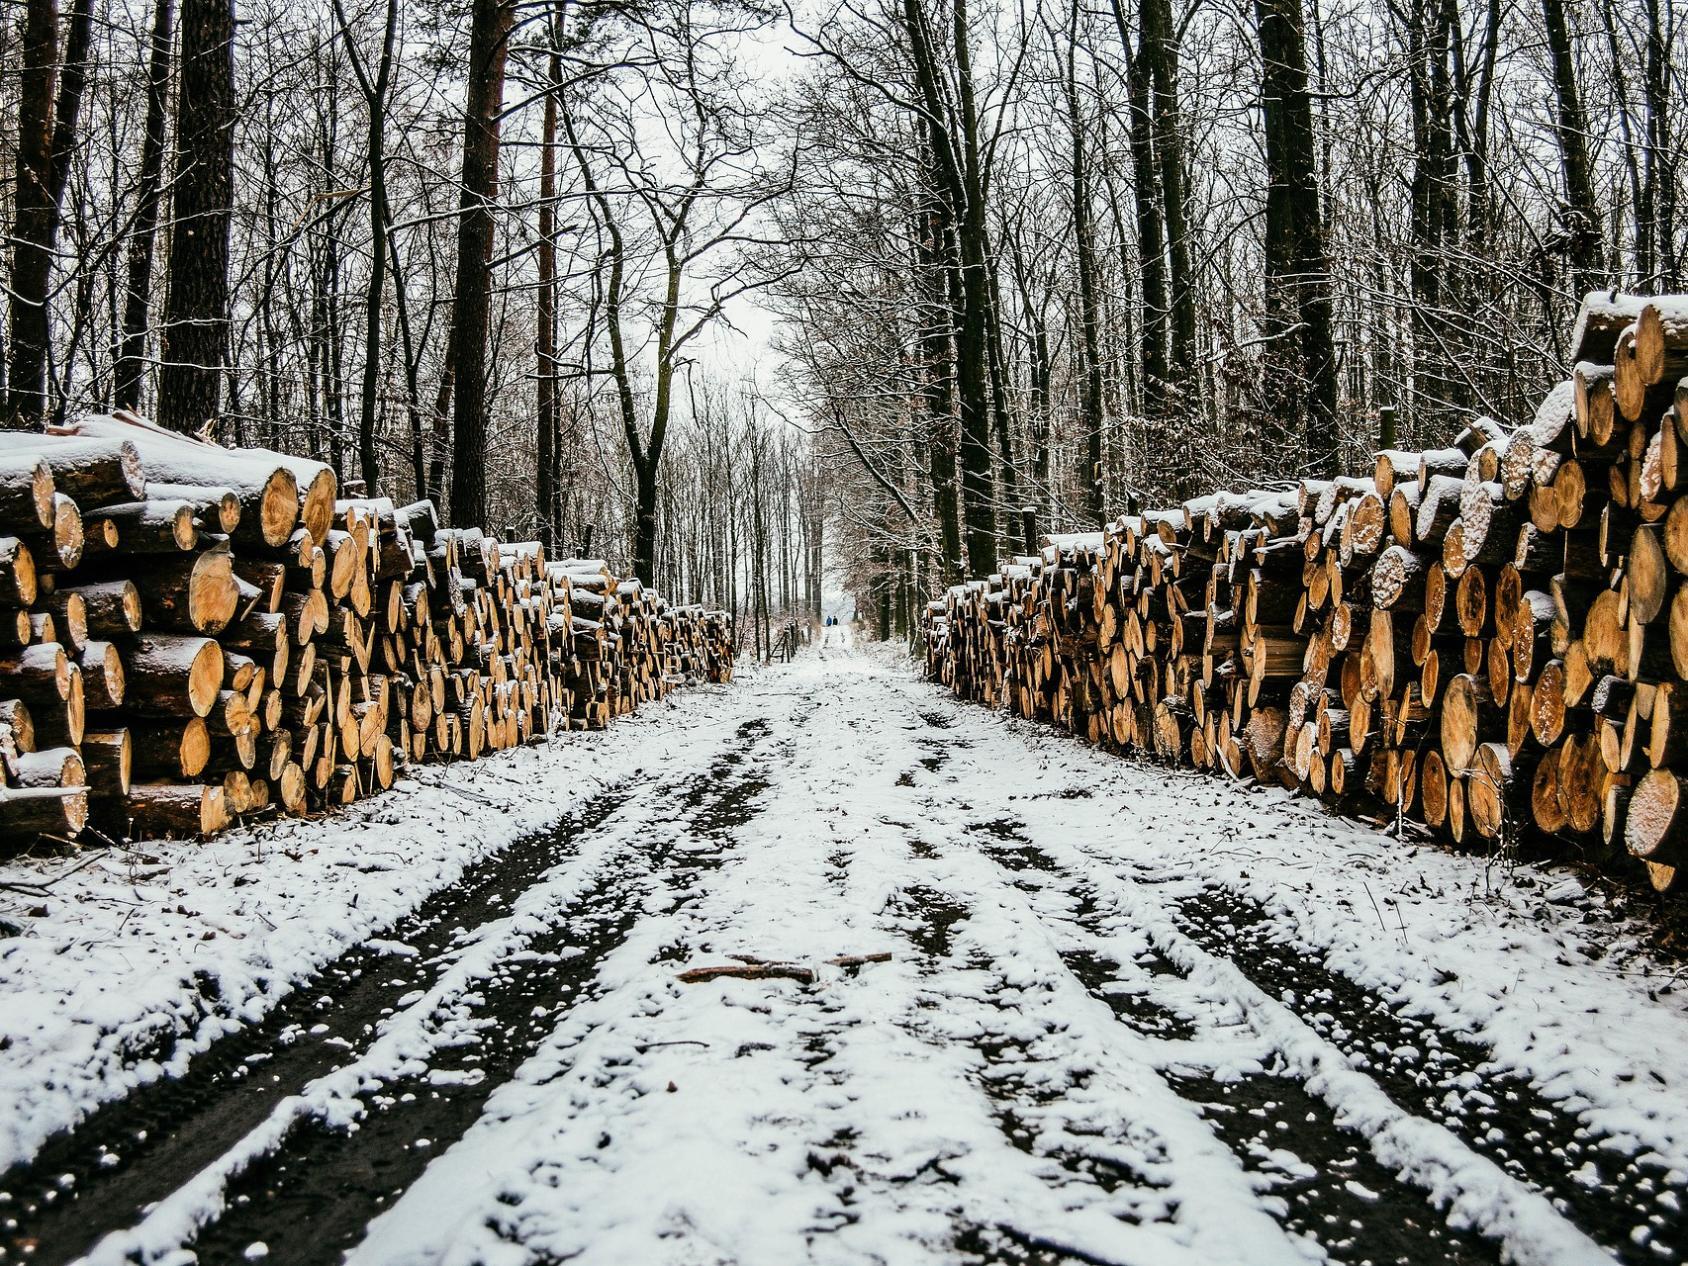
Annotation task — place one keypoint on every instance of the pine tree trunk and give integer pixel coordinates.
(1092, 420)
(1159, 48)
(1582, 214)
(196, 308)
(47, 135)
(1301, 378)
(489, 41)
(545, 338)
(137, 311)
(1151, 246)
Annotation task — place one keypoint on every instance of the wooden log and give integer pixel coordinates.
(1596, 406)
(217, 507)
(1601, 317)
(1438, 507)
(1495, 793)
(103, 678)
(171, 675)
(175, 809)
(111, 608)
(189, 593)
(17, 573)
(109, 758)
(1398, 580)
(1469, 718)
(58, 548)
(26, 491)
(92, 472)
(26, 812)
(154, 526)
(1656, 829)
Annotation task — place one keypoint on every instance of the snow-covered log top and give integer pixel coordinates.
(378, 508)
(1069, 543)
(277, 490)
(92, 472)
(526, 553)
(1201, 508)
(582, 567)
(1600, 319)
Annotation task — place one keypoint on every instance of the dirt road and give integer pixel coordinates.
(1128, 1015)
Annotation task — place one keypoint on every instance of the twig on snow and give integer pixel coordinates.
(749, 971)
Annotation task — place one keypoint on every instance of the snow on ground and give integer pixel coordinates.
(1130, 1014)
(162, 948)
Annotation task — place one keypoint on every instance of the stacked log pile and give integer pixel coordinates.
(1489, 638)
(191, 634)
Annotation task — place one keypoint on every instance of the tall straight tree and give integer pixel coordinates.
(489, 47)
(954, 137)
(1582, 212)
(1158, 49)
(1301, 372)
(131, 356)
(1089, 345)
(46, 137)
(1152, 349)
(548, 419)
(375, 89)
(196, 306)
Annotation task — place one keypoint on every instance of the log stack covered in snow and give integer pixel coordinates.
(190, 634)
(1490, 638)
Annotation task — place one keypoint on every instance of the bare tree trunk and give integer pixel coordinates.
(1658, 186)
(1159, 48)
(958, 165)
(375, 149)
(196, 307)
(489, 42)
(1040, 371)
(1582, 212)
(1301, 374)
(1432, 194)
(1151, 247)
(545, 338)
(131, 359)
(935, 375)
(1089, 345)
(46, 136)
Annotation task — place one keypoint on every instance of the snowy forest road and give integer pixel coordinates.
(1128, 1015)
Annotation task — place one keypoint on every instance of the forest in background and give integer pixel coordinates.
(1028, 253)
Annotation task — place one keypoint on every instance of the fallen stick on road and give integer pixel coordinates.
(749, 971)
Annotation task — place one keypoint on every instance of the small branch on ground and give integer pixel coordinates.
(749, 971)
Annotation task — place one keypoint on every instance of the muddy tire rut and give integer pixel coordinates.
(1326, 1184)
(97, 1177)
(103, 1174)
(1452, 1080)
(312, 1201)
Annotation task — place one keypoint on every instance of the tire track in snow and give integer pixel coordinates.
(1451, 1079)
(98, 1176)
(1321, 1183)
(500, 960)
(1051, 1100)
(311, 1201)
(1409, 1150)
